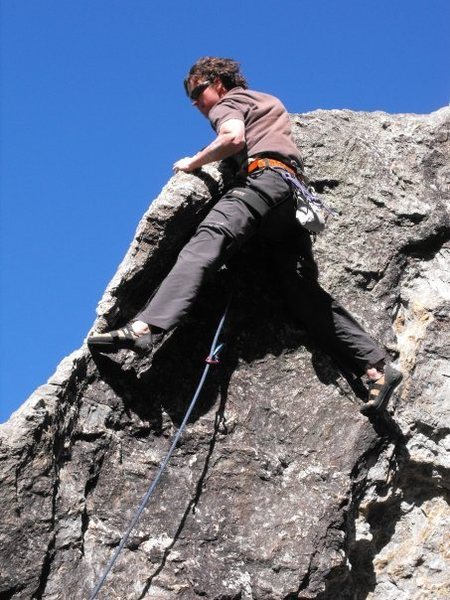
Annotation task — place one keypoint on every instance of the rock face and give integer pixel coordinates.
(279, 488)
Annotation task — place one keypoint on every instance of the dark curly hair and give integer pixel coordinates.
(211, 68)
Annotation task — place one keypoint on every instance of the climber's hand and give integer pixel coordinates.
(186, 165)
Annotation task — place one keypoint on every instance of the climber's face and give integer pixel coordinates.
(205, 94)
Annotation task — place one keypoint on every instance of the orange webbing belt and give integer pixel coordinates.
(261, 163)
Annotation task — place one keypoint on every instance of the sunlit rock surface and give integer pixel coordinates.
(279, 488)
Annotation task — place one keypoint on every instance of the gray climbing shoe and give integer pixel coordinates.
(122, 338)
(381, 390)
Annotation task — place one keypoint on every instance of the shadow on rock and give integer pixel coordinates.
(219, 427)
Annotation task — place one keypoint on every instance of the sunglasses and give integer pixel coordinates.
(198, 90)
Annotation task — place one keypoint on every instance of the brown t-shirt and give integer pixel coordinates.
(267, 124)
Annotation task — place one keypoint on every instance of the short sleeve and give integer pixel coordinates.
(224, 110)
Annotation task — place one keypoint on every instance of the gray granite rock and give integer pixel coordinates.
(279, 488)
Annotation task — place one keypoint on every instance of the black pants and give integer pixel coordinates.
(263, 204)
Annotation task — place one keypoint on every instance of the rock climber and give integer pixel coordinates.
(254, 134)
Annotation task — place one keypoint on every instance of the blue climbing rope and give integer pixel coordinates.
(211, 359)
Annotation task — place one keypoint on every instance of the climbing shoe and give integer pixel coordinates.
(122, 338)
(381, 390)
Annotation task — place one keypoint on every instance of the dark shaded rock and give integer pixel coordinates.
(279, 488)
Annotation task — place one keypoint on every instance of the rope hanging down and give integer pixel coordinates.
(212, 359)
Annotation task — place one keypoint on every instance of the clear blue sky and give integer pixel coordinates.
(93, 115)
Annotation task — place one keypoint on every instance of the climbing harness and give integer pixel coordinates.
(311, 211)
(211, 359)
(267, 163)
